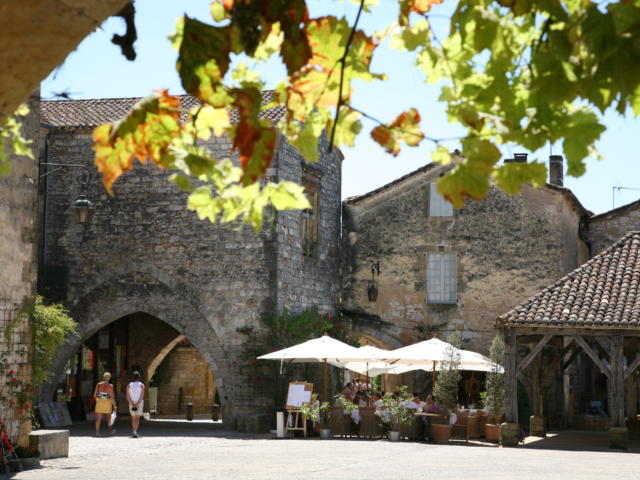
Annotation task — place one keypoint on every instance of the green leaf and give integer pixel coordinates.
(203, 58)
(412, 37)
(441, 155)
(580, 134)
(470, 178)
(182, 182)
(511, 176)
(348, 128)
(218, 12)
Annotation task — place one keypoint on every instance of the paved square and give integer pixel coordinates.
(185, 450)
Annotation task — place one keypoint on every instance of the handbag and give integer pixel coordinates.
(112, 420)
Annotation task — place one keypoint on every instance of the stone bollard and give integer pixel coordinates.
(618, 438)
(537, 426)
(510, 434)
(190, 411)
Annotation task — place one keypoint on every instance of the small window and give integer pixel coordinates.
(438, 206)
(310, 220)
(442, 278)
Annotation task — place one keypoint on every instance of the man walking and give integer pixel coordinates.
(135, 396)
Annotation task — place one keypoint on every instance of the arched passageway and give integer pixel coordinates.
(139, 342)
(142, 297)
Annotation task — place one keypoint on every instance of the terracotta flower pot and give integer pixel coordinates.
(492, 432)
(441, 433)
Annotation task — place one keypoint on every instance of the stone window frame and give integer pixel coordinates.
(310, 219)
(438, 206)
(442, 277)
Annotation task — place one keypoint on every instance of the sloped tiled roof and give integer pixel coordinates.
(89, 113)
(602, 293)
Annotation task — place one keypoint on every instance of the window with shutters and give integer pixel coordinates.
(310, 218)
(438, 206)
(442, 278)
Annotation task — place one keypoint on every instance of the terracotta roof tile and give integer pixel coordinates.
(602, 293)
(89, 113)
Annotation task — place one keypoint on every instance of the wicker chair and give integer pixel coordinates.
(339, 423)
(474, 420)
(370, 425)
(462, 427)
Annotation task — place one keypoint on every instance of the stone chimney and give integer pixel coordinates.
(517, 158)
(556, 170)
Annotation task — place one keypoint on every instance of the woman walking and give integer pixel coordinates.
(105, 403)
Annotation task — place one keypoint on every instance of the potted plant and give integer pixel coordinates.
(496, 393)
(318, 412)
(446, 388)
(394, 414)
(29, 456)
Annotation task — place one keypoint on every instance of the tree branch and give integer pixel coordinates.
(343, 62)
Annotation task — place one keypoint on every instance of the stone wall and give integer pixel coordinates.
(18, 271)
(190, 381)
(310, 281)
(605, 229)
(143, 251)
(507, 248)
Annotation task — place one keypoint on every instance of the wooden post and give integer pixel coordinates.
(536, 386)
(617, 381)
(511, 376)
(325, 395)
(566, 380)
(618, 433)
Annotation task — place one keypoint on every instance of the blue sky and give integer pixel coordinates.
(97, 70)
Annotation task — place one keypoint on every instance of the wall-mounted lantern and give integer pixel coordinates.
(82, 208)
(372, 287)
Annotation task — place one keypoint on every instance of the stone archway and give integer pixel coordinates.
(157, 360)
(176, 307)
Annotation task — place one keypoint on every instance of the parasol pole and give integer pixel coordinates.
(367, 377)
(326, 381)
(433, 377)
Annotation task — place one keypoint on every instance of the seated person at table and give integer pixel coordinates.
(377, 400)
(348, 389)
(361, 399)
(411, 404)
(418, 401)
(430, 405)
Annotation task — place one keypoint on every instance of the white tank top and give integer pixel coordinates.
(135, 389)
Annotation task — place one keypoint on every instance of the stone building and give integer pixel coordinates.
(399, 263)
(146, 261)
(18, 261)
(443, 268)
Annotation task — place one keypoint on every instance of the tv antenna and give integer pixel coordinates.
(613, 191)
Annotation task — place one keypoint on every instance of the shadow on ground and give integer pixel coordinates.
(166, 427)
(577, 440)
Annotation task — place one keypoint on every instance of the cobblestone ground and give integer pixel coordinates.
(182, 450)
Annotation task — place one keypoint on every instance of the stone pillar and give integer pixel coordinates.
(618, 434)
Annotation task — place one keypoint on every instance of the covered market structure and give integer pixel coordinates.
(594, 310)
